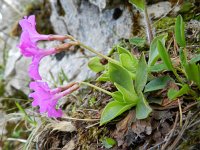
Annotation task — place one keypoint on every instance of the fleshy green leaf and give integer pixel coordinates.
(157, 67)
(180, 31)
(104, 77)
(112, 110)
(165, 56)
(127, 60)
(193, 72)
(117, 95)
(138, 41)
(129, 96)
(95, 65)
(140, 4)
(128, 63)
(153, 52)
(122, 50)
(142, 108)
(141, 74)
(120, 75)
(173, 94)
(157, 84)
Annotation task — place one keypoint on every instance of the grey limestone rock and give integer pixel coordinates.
(94, 25)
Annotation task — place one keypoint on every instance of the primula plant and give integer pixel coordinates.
(142, 88)
(134, 77)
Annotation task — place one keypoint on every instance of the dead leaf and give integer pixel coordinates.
(162, 115)
(63, 126)
(165, 128)
(131, 131)
(169, 103)
(157, 137)
(69, 146)
(142, 126)
(122, 127)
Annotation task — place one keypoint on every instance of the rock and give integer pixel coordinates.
(101, 4)
(16, 69)
(21, 80)
(13, 56)
(97, 29)
(159, 9)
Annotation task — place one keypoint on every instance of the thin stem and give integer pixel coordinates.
(148, 26)
(70, 37)
(181, 113)
(97, 53)
(91, 49)
(71, 118)
(97, 88)
(67, 91)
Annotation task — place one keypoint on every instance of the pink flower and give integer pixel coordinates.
(28, 24)
(28, 45)
(47, 99)
(29, 49)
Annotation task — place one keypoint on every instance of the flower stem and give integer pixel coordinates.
(67, 91)
(96, 87)
(91, 49)
(97, 53)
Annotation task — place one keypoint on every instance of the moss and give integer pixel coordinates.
(43, 12)
(190, 9)
(165, 23)
(2, 89)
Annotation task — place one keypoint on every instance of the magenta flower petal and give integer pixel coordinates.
(41, 93)
(36, 86)
(45, 99)
(29, 25)
(27, 47)
(31, 20)
(55, 113)
(34, 68)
